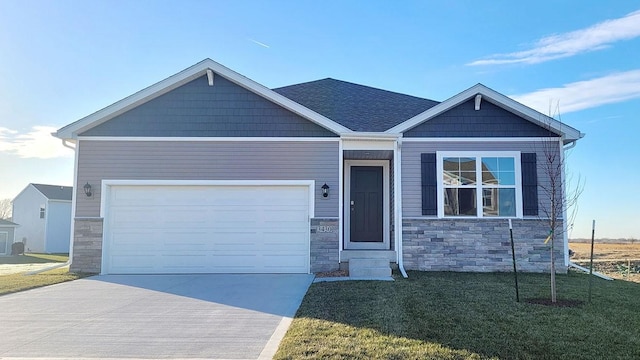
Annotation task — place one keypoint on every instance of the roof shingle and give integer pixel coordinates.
(357, 107)
(55, 192)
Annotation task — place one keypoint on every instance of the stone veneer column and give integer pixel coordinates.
(477, 245)
(87, 245)
(324, 245)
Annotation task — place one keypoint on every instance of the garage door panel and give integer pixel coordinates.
(207, 229)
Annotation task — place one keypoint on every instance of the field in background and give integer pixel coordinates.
(618, 260)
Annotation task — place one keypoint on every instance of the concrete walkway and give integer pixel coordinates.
(152, 317)
(8, 269)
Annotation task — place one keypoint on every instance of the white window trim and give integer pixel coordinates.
(479, 154)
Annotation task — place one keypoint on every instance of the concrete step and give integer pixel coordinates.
(369, 268)
(368, 263)
(347, 255)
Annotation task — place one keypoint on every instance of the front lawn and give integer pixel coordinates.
(34, 258)
(465, 316)
(18, 282)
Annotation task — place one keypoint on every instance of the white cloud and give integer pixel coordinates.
(558, 46)
(585, 94)
(37, 143)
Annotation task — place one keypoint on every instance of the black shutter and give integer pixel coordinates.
(529, 184)
(429, 185)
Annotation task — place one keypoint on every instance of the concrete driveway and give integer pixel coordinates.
(152, 317)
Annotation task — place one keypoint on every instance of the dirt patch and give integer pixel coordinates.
(563, 303)
(618, 260)
(605, 251)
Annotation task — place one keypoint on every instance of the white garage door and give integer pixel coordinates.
(206, 229)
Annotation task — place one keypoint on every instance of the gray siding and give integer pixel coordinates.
(411, 180)
(489, 121)
(207, 160)
(197, 109)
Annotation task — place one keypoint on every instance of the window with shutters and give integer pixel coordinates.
(479, 184)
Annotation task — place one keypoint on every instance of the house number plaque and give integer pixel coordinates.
(327, 228)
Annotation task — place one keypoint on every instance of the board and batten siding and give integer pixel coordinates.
(411, 176)
(207, 160)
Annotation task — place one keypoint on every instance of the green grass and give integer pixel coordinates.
(33, 258)
(465, 316)
(19, 282)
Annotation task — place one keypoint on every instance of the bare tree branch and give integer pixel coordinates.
(559, 194)
(5, 209)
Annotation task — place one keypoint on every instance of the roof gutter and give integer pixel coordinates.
(570, 145)
(64, 143)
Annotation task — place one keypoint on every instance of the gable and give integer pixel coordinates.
(196, 109)
(357, 107)
(490, 121)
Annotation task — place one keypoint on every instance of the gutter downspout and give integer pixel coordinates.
(564, 148)
(397, 179)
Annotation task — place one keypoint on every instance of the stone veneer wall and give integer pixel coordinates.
(477, 245)
(87, 245)
(324, 245)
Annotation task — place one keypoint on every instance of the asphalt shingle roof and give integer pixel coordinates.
(357, 107)
(55, 192)
(7, 223)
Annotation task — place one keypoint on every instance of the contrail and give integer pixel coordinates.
(259, 43)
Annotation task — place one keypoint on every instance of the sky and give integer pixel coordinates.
(577, 60)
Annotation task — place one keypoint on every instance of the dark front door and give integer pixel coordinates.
(366, 204)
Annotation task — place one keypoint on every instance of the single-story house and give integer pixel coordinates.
(44, 214)
(208, 171)
(7, 231)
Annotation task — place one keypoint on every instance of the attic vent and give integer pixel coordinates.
(210, 76)
(478, 101)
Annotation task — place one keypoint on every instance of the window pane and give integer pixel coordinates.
(506, 164)
(468, 164)
(489, 164)
(451, 171)
(507, 198)
(459, 171)
(499, 202)
(460, 202)
(451, 164)
(490, 178)
(507, 177)
(468, 178)
(489, 202)
(498, 171)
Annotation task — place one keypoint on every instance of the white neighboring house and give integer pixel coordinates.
(44, 215)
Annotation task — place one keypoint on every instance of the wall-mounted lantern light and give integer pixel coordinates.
(325, 190)
(87, 189)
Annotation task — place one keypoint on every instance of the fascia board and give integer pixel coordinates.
(568, 133)
(369, 136)
(72, 130)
